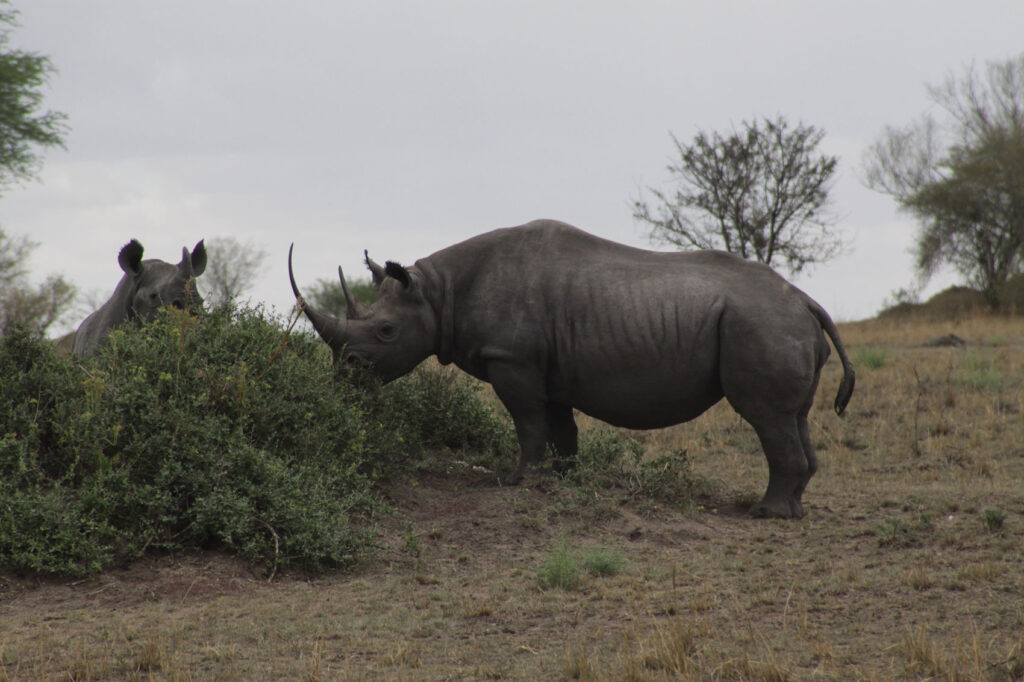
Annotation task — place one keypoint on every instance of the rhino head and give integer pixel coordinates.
(392, 335)
(157, 283)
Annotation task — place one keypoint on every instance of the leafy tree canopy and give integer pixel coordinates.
(24, 125)
(960, 172)
(23, 128)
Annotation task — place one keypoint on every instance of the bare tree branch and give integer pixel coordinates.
(761, 192)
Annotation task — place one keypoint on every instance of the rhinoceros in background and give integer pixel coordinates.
(555, 319)
(146, 286)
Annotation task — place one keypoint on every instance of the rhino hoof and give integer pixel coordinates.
(791, 509)
(564, 466)
(514, 478)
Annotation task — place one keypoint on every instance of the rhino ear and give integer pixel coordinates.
(393, 269)
(198, 259)
(130, 257)
(375, 269)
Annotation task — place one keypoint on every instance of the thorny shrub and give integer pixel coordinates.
(225, 432)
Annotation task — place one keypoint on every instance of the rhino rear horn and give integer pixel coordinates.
(351, 306)
(375, 269)
(331, 329)
(185, 266)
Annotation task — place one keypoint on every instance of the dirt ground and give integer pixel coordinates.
(455, 594)
(907, 566)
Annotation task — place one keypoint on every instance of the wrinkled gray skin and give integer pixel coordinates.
(146, 286)
(555, 319)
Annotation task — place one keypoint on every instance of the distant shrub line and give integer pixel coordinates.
(957, 301)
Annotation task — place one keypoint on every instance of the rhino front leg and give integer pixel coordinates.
(530, 431)
(563, 436)
(521, 391)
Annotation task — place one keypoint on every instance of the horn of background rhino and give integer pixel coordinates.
(185, 266)
(330, 328)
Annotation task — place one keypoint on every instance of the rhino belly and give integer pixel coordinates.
(645, 400)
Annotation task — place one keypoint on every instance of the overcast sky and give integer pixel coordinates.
(403, 127)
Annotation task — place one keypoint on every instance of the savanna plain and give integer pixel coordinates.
(908, 565)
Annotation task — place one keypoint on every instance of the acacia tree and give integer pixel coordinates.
(231, 269)
(960, 173)
(760, 192)
(23, 128)
(21, 304)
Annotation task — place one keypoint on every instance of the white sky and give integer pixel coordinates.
(403, 127)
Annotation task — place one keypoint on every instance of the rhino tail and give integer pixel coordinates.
(849, 377)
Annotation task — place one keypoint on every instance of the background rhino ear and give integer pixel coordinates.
(395, 270)
(375, 269)
(199, 259)
(130, 257)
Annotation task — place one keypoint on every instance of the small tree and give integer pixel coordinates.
(961, 175)
(21, 304)
(231, 269)
(761, 193)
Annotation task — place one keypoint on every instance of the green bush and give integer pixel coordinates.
(439, 409)
(993, 518)
(604, 562)
(561, 569)
(871, 358)
(610, 458)
(224, 432)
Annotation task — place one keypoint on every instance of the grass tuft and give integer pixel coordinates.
(560, 570)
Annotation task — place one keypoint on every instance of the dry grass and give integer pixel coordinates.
(908, 565)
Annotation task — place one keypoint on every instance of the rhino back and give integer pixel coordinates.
(616, 330)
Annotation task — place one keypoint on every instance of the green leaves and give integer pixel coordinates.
(961, 175)
(224, 432)
(22, 124)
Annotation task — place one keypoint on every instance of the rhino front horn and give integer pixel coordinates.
(330, 328)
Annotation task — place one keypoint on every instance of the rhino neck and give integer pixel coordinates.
(440, 294)
(118, 307)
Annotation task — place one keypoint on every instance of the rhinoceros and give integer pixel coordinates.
(557, 319)
(145, 286)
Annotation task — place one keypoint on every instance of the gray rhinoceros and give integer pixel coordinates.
(555, 319)
(145, 286)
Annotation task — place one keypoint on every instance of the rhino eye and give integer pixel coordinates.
(387, 331)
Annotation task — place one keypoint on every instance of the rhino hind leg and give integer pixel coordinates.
(790, 467)
(780, 420)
